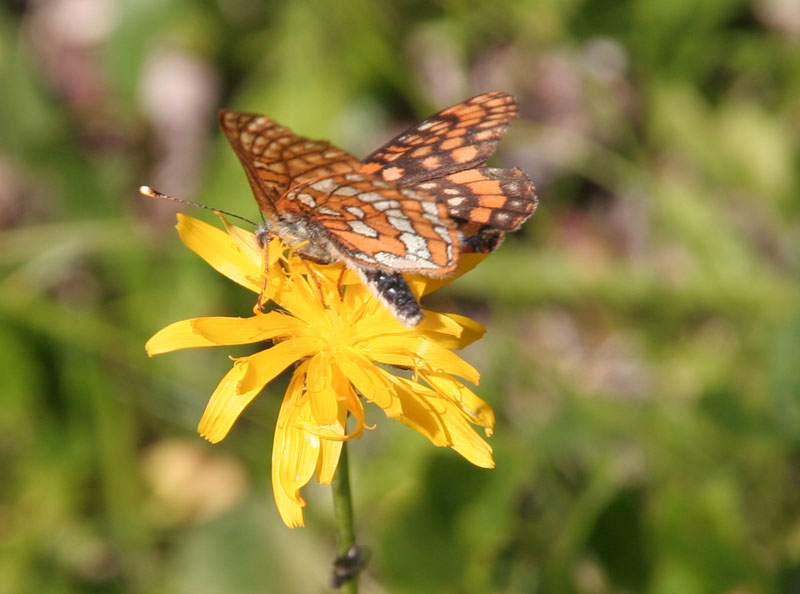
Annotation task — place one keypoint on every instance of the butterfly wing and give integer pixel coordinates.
(460, 137)
(373, 224)
(444, 156)
(486, 203)
(276, 159)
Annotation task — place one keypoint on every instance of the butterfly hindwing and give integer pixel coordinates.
(376, 224)
(444, 157)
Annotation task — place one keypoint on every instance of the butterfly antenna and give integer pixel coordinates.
(151, 193)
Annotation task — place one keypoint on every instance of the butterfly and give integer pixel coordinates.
(412, 206)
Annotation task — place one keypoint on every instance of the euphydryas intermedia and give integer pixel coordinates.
(411, 206)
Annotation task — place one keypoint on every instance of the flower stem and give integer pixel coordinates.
(343, 516)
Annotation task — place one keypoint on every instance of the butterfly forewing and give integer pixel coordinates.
(457, 138)
(276, 159)
(378, 224)
(444, 157)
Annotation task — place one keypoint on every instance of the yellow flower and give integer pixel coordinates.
(345, 345)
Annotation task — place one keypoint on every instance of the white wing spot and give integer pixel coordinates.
(444, 233)
(355, 211)
(385, 205)
(452, 191)
(362, 229)
(329, 211)
(306, 199)
(416, 245)
(501, 215)
(347, 191)
(401, 223)
(370, 196)
(325, 185)
(402, 263)
(431, 208)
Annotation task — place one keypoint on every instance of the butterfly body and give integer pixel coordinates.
(411, 207)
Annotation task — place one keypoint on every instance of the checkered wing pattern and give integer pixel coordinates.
(412, 206)
(444, 156)
(376, 224)
(276, 159)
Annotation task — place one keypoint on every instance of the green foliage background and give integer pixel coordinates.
(643, 345)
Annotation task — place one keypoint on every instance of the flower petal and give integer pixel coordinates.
(247, 242)
(466, 262)
(324, 403)
(464, 439)
(225, 405)
(476, 409)
(265, 365)
(229, 331)
(218, 249)
(416, 352)
(332, 449)
(366, 378)
(441, 421)
(450, 330)
(178, 335)
(295, 451)
(328, 460)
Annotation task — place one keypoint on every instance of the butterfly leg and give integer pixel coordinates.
(262, 237)
(339, 283)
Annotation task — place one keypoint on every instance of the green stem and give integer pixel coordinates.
(343, 516)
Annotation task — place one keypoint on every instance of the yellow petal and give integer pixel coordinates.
(478, 411)
(328, 460)
(416, 352)
(300, 296)
(369, 325)
(178, 335)
(366, 378)
(247, 243)
(420, 414)
(225, 405)
(218, 249)
(441, 421)
(265, 365)
(324, 404)
(294, 452)
(332, 449)
(229, 331)
(465, 440)
(450, 330)
(466, 262)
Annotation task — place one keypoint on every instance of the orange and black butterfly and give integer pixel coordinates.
(411, 206)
